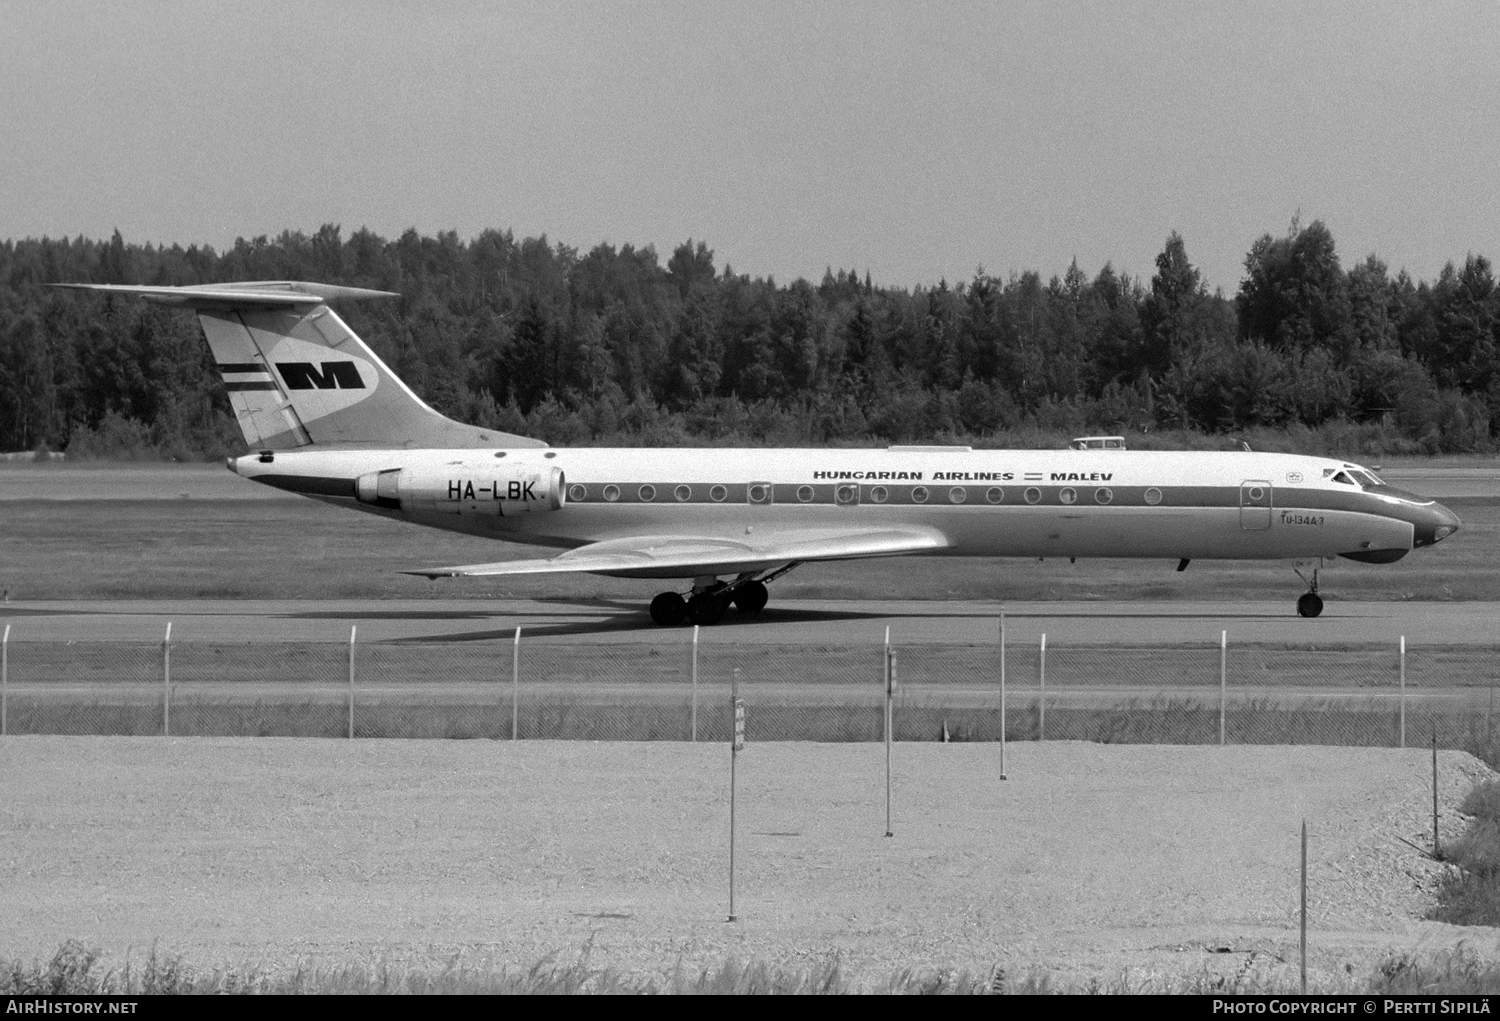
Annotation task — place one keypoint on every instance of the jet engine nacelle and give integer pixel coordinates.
(498, 490)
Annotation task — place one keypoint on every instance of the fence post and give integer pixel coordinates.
(1002, 694)
(885, 660)
(1223, 679)
(4, 675)
(1041, 704)
(735, 737)
(352, 629)
(166, 682)
(890, 690)
(515, 687)
(1403, 692)
(695, 682)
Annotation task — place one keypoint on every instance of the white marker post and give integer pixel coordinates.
(1304, 907)
(166, 682)
(515, 687)
(4, 675)
(736, 745)
(1002, 695)
(695, 682)
(1041, 704)
(1223, 679)
(352, 629)
(1437, 848)
(1403, 691)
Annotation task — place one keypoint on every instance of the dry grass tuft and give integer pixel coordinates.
(1469, 893)
(1456, 972)
(1483, 801)
(74, 971)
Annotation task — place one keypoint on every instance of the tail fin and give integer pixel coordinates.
(298, 376)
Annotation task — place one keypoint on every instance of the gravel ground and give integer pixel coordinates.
(1090, 860)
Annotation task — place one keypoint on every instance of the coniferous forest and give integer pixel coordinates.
(613, 347)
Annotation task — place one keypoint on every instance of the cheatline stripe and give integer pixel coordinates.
(242, 367)
(260, 384)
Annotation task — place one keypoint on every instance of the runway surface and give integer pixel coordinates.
(791, 622)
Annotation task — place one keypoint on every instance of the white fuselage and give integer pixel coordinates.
(1000, 503)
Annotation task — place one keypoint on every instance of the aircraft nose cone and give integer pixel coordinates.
(1436, 525)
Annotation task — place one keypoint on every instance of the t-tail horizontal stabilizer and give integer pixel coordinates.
(246, 294)
(297, 376)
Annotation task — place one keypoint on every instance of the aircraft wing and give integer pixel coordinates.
(678, 556)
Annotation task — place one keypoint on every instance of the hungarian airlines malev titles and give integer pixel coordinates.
(324, 417)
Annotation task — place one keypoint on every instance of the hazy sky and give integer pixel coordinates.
(915, 141)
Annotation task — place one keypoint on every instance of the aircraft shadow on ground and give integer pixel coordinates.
(620, 617)
(639, 620)
(1196, 615)
(390, 615)
(480, 612)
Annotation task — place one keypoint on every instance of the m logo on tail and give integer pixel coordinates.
(334, 376)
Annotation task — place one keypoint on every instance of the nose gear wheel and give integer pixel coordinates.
(1310, 604)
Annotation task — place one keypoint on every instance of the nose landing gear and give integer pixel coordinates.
(1310, 604)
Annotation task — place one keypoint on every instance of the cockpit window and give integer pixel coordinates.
(1362, 478)
(1344, 478)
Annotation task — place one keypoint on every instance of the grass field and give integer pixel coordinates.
(74, 970)
(1159, 720)
(794, 692)
(122, 549)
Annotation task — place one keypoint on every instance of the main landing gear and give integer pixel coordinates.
(711, 598)
(1310, 604)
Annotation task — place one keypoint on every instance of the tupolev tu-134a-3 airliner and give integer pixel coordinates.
(324, 417)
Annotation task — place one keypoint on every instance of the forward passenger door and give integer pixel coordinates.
(1255, 505)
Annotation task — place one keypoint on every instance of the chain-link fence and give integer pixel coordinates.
(676, 691)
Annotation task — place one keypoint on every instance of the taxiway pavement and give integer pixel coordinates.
(790, 622)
